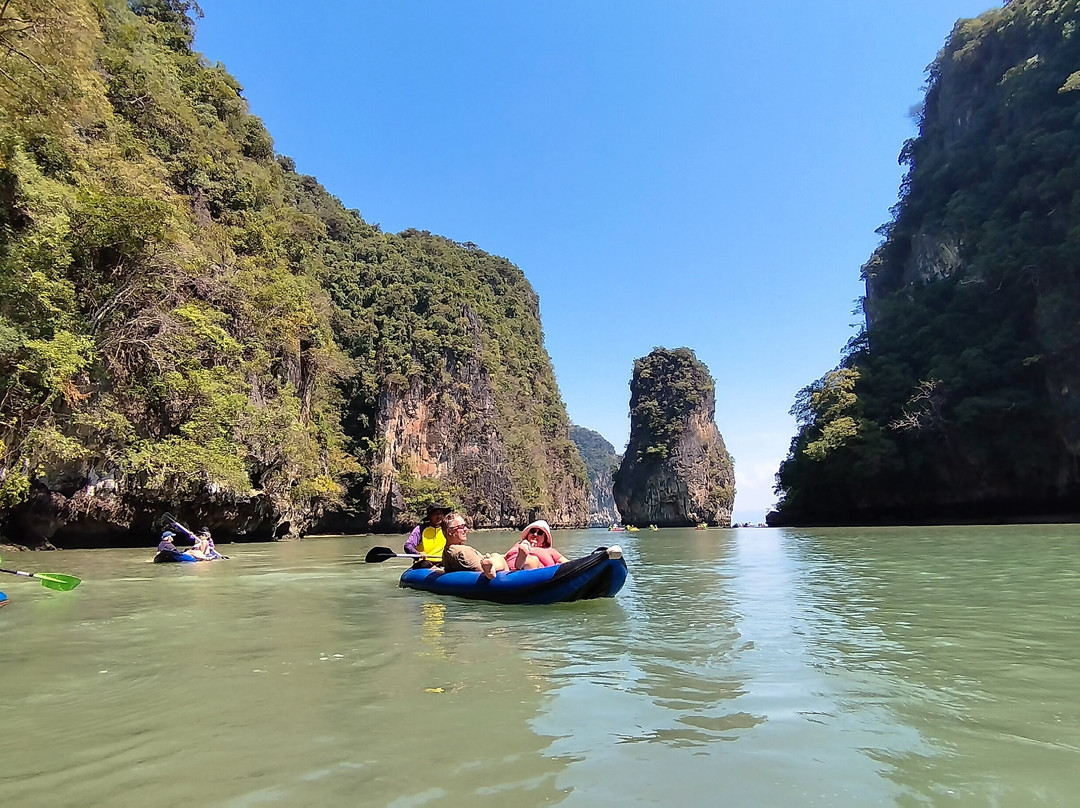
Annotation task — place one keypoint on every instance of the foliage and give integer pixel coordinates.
(161, 318)
(175, 299)
(415, 306)
(601, 464)
(419, 492)
(596, 452)
(957, 395)
(827, 406)
(666, 387)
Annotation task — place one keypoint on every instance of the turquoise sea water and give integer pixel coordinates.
(913, 666)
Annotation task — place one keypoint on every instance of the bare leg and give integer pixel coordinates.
(522, 556)
(493, 563)
(531, 563)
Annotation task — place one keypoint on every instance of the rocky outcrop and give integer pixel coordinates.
(965, 403)
(94, 511)
(450, 435)
(600, 462)
(677, 471)
(231, 344)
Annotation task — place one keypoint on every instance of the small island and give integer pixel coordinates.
(677, 471)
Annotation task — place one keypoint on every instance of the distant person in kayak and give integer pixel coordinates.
(206, 543)
(460, 557)
(167, 549)
(201, 550)
(534, 550)
(428, 537)
(166, 544)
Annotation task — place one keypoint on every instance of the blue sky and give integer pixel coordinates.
(684, 173)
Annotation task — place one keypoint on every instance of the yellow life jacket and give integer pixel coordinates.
(432, 542)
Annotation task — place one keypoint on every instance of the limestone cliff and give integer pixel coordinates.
(189, 325)
(164, 340)
(456, 398)
(677, 471)
(959, 399)
(452, 435)
(600, 461)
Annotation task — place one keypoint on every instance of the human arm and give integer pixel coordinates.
(412, 544)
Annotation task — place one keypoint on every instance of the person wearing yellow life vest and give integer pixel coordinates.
(427, 538)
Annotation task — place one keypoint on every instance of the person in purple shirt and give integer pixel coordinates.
(166, 544)
(167, 549)
(427, 538)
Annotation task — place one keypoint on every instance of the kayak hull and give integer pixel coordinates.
(169, 557)
(598, 575)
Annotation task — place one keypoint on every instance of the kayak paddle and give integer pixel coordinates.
(377, 555)
(50, 580)
(168, 517)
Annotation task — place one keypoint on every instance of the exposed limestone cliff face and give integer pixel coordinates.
(600, 459)
(449, 432)
(677, 471)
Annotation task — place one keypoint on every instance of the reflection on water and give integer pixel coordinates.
(434, 616)
(745, 667)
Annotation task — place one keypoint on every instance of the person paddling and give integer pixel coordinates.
(166, 544)
(167, 550)
(428, 538)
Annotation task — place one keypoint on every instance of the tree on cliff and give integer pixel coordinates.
(163, 335)
(677, 470)
(174, 300)
(961, 390)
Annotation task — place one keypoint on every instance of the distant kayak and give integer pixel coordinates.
(598, 575)
(175, 557)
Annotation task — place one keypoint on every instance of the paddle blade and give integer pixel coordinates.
(377, 555)
(57, 581)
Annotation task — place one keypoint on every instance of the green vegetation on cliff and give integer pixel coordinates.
(601, 463)
(416, 307)
(667, 386)
(958, 399)
(161, 320)
(184, 318)
(413, 305)
(597, 453)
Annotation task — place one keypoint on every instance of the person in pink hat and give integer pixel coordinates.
(534, 550)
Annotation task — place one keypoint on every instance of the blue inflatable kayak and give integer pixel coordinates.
(3, 598)
(598, 575)
(170, 556)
